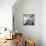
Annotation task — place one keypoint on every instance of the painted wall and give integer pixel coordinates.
(6, 13)
(43, 22)
(29, 32)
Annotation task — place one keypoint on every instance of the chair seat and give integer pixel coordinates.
(29, 43)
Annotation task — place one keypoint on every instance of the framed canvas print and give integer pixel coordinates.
(29, 19)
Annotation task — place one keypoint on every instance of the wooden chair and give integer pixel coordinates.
(29, 43)
(18, 39)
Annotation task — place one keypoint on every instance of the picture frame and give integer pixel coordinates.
(29, 19)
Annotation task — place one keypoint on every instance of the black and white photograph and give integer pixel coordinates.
(29, 19)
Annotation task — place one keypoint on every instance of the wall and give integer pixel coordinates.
(6, 13)
(43, 22)
(29, 32)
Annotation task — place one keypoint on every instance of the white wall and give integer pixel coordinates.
(29, 7)
(43, 22)
(6, 13)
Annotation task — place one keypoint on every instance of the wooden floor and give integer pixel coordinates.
(9, 43)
